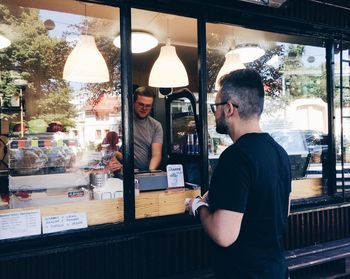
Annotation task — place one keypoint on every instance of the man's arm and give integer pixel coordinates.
(223, 226)
(156, 156)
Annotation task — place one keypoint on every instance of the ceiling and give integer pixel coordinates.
(181, 30)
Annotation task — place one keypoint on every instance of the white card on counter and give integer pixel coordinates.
(19, 224)
(175, 176)
(58, 223)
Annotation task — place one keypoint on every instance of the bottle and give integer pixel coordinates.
(190, 145)
(196, 145)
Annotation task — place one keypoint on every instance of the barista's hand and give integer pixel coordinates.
(114, 165)
(119, 156)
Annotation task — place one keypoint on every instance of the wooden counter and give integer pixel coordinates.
(151, 204)
(306, 188)
(148, 204)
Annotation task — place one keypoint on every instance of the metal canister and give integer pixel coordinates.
(99, 179)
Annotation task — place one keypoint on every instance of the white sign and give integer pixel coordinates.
(58, 223)
(175, 176)
(19, 224)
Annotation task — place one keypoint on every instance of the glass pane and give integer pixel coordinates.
(162, 186)
(184, 131)
(342, 124)
(295, 110)
(61, 109)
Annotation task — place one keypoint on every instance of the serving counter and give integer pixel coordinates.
(148, 204)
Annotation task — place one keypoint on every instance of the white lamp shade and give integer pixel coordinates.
(249, 53)
(232, 63)
(168, 70)
(140, 41)
(4, 42)
(85, 63)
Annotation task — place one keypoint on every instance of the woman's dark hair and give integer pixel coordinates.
(245, 88)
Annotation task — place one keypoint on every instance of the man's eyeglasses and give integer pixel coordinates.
(213, 106)
(144, 106)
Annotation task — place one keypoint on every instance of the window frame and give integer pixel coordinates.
(226, 17)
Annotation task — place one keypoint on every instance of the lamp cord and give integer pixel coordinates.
(86, 21)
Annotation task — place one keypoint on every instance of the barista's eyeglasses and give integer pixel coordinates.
(213, 106)
(144, 106)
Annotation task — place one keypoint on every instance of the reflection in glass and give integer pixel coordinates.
(295, 111)
(55, 152)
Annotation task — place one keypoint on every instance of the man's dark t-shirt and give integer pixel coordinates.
(253, 177)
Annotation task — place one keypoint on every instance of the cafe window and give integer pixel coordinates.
(295, 111)
(168, 69)
(54, 107)
(342, 120)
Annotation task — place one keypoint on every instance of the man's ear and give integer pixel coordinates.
(229, 109)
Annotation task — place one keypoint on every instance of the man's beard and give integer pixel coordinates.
(221, 126)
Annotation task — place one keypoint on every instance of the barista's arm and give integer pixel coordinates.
(114, 165)
(156, 156)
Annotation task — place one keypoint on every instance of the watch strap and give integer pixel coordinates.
(201, 204)
(197, 203)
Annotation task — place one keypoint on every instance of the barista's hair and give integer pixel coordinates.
(244, 87)
(144, 91)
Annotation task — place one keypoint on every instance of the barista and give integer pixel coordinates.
(148, 133)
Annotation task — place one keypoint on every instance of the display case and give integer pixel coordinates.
(43, 154)
(42, 171)
(182, 134)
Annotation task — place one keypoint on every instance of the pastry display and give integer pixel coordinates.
(28, 157)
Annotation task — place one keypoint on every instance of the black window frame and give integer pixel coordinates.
(200, 12)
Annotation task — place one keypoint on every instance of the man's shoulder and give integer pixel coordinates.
(153, 121)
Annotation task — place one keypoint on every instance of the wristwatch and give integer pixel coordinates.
(197, 203)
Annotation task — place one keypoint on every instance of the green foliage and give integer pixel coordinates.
(39, 59)
(36, 56)
(293, 58)
(7, 88)
(54, 106)
(271, 76)
(215, 60)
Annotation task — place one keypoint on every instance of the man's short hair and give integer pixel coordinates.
(144, 91)
(245, 88)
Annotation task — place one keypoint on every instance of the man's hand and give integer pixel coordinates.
(191, 203)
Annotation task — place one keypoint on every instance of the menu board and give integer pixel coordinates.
(57, 223)
(19, 224)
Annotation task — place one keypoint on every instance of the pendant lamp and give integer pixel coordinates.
(168, 70)
(4, 42)
(249, 53)
(232, 63)
(85, 63)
